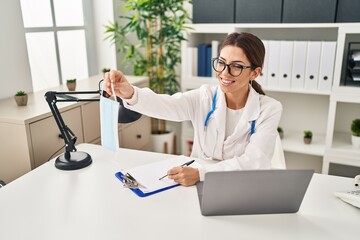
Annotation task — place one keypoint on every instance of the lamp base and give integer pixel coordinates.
(77, 160)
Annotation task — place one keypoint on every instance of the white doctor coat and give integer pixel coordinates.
(238, 151)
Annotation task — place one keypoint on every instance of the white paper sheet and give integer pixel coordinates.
(148, 175)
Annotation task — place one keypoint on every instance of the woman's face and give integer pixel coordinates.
(236, 57)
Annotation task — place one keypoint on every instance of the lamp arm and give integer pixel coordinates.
(67, 134)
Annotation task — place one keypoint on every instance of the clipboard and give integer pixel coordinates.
(144, 180)
(138, 191)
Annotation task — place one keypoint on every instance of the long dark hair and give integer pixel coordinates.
(253, 48)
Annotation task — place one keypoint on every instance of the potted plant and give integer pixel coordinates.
(71, 84)
(307, 136)
(355, 130)
(159, 29)
(21, 98)
(105, 70)
(281, 132)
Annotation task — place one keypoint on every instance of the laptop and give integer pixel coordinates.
(253, 191)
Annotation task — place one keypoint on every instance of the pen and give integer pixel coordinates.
(182, 165)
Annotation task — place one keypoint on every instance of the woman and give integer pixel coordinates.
(234, 123)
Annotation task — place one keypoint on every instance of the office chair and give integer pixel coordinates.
(278, 159)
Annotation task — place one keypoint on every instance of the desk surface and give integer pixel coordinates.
(91, 203)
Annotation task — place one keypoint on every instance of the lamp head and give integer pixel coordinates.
(126, 115)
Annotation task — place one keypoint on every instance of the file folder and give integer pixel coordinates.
(312, 65)
(208, 67)
(273, 64)
(327, 63)
(214, 54)
(286, 59)
(298, 69)
(261, 79)
(202, 60)
(192, 60)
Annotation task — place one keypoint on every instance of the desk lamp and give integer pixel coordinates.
(72, 159)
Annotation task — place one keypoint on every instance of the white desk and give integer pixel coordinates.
(91, 203)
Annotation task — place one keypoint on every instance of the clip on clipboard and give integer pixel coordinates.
(144, 180)
(138, 191)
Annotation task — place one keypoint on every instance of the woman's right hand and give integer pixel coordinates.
(122, 87)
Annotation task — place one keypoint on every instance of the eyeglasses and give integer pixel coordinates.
(234, 69)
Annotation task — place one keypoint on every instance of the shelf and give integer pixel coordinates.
(352, 95)
(293, 142)
(328, 112)
(194, 82)
(301, 91)
(198, 81)
(342, 143)
(221, 27)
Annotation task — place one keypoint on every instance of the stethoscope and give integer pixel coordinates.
(208, 115)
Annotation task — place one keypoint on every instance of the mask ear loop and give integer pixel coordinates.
(112, 89)
(113, 92)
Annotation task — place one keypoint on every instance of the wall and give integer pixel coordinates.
(103, 12)
(14, 63)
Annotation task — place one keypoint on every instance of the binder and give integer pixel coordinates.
(146, 177)
(261, 79)
(286, 59)
(327, 62)
(298, 69)
(192, 60)
(208, 67)
(201, 60)
(273, 64)
(214, 54)
(312, 65)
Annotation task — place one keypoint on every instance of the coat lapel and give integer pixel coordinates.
(220, 119)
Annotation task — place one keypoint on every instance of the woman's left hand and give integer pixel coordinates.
(186, 176)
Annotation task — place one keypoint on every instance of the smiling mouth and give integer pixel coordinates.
(226, 82)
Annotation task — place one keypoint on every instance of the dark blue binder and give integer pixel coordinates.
(202, 49)
(208, 61)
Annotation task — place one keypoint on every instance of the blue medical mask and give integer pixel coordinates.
(109, 111)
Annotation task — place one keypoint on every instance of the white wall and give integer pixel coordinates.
(14, 63)
(103, 12)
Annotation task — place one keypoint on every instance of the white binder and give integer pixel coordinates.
(192, 61)
(286, 59)
(273, 64)
(298, 69)
(327, 62)
(261, 79)
(214, 54)
(312, 65)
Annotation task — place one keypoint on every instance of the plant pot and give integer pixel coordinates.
(21, 100)
(355, 140)
(307, 140)
(71, 86)
(162, 143)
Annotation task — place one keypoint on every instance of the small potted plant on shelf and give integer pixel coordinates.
(355, 130)
(281, 132)
(71, 84)
(105, 70)
(21, 98)
(307, 136)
